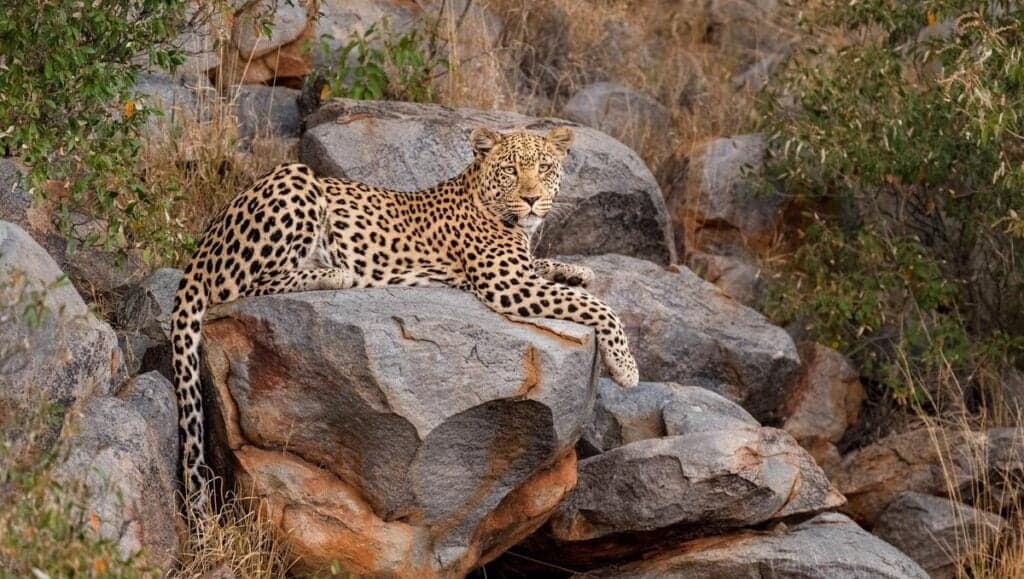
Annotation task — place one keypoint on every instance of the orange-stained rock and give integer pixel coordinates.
(400, 432)
(822, 401)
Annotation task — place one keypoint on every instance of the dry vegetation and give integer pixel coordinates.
(662, 48)
(238, 542)
(194, 165)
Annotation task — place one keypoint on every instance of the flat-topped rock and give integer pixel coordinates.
(683, 329)
(398, 431)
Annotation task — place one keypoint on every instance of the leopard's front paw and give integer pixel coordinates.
(623, 370)
(577, 275)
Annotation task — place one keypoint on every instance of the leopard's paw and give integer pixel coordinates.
(580, 276)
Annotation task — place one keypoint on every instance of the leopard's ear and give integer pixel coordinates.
(561, 138)
(484, 139)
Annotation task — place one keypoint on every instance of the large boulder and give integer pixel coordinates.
(53, 350)
(675, 462)
(829, 545)
(935, 461)
(629, 115)
(682, 329)
(408, 432)
(611, 202)
(711, 479)
(715, 200)
(142, 318)
(123, 458)
(822, 401)
(654, 410)
(936, 532)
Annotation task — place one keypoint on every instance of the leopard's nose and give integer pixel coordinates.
(530, 200)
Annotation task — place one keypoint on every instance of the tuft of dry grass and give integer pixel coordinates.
(237, 541)
(980, 549)
(192, 166)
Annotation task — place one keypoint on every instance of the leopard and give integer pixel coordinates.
(294, 231)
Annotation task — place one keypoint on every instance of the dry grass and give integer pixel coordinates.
(193, 166)
(539, 61)
(239, 539)
(980, 549)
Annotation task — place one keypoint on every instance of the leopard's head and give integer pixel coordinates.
(519, 173)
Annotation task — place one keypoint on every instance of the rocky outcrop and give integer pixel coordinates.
(610, 202)
(682, 329)
(822, 401)
(654, 410)
(941, 461)
(936, 532)
(53, 350)
(715, 201)
(626, 114)
(402, 431)
(674, 463)
(124, 453)
(829, 545)
(117, 456)
(143, 321)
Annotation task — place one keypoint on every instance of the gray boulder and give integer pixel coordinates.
(172, 98)
(654, 410)
(715, 200)
(628, 115)
(696, 482)
(822, 401)
(287, 22)
(52, 349)
(936, 532)
(398, 431)
(682, 329)
(612, 203)
(123, 459)
(829, 545)
(143, 321)
(930, 460)
(341, 20)
(267, 110)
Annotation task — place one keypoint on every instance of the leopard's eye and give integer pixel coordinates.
(545, 167)
(508, 169)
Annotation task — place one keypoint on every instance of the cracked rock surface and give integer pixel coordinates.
(659, 479)
(408, 432)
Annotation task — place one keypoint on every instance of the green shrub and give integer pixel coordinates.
(905, 149)
(383, 64)
(67, 108)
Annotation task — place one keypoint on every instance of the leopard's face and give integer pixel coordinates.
(520, 173)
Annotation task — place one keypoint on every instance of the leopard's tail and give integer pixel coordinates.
(190, 304)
